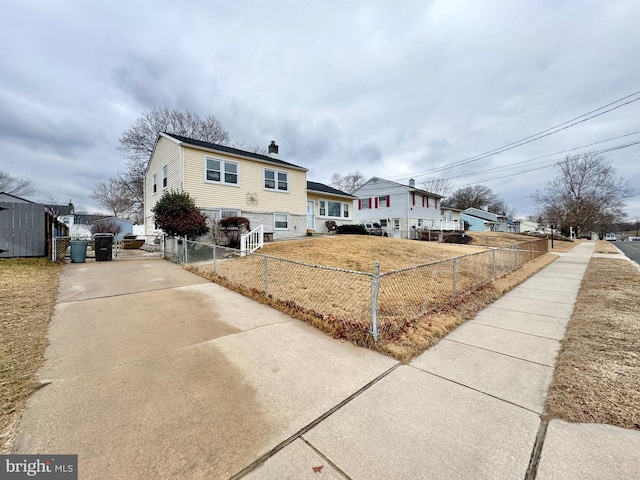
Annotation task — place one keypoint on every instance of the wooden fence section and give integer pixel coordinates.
(22, 230)
(27, 229)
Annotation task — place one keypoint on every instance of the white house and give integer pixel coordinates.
(401, 210)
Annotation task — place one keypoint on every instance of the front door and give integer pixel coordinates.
(311, 217)
(396, 228)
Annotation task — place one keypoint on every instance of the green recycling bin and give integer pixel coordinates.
(78, 250)
(102, 245)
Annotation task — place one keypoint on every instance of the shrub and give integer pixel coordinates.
(108, 225)
(177, 215)
(233, 228)
(352, 229)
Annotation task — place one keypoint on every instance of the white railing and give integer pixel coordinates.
(442, 225)
(252, 241)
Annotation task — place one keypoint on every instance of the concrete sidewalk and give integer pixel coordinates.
(470, 407)
(156, 373)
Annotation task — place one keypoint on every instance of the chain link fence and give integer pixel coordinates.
(347, 303)
(140, 246)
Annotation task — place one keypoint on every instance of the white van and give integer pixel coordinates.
(610, 237)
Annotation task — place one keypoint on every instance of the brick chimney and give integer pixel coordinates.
(273, 149)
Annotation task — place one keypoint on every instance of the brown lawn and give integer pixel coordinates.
(338, 302)
(29, 291)
(360, 252)
(597, 375)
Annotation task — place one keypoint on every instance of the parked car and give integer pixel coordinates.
(610, 237)
(535, 232)
(373, 229)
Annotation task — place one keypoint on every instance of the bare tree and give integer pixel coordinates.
(107, 225)
(586, 195)
(348, 183)
(137, 143)
(117, 199)
(438, 185)
(14, 186)
(477, 196)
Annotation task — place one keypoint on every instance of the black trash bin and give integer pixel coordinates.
(103, 243)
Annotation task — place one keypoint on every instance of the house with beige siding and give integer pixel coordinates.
(327, 204)
(226, 182)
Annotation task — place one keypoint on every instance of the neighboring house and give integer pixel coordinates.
(325, 203)
(483, 221)
(524, 225)
(228, 182)
(126, 227)
(450, 214)
(401, 210)
(26, 228)
(79, 223)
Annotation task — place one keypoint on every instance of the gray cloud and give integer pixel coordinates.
(392, 90)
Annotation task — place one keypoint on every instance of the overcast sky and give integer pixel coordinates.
(392, 89)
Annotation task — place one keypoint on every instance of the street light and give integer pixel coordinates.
(552, 236)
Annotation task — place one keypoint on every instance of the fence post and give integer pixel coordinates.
(375, 288)
(214, 258)
(184, 246)
(493, 261)
(266, 276)
(54, 248)
(517, 249)
(455, 277)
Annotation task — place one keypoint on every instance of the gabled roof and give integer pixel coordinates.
(321, 187)
(229, 150)
(406, 187)
(61, 210)
(476, 212)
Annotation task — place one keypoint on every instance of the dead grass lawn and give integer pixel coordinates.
(602, 246)
(597, 375)
(360, 252)
(29, 291)
(414, 307)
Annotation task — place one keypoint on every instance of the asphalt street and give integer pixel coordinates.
(630, 249)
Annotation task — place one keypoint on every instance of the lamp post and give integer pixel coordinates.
(552, 236)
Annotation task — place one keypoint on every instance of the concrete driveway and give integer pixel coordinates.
(157, 373)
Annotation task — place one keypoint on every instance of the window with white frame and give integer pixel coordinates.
(335, 209)
(383, 222)
(165, 176)
(154, 182)
(229, 213)
(220, 171)
(276, 180)
(281, 221)
(328, 208)
(382, 201)
(364, 203)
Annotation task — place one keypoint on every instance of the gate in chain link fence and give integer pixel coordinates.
(352, 304)
(140, 246)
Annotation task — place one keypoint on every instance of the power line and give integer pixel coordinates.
(551, 164)
(512, 165)
(531, 138)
